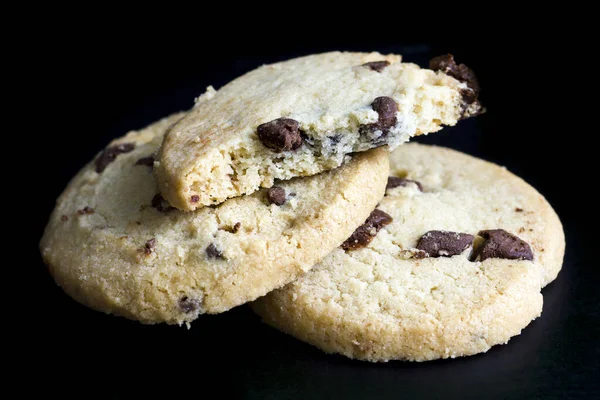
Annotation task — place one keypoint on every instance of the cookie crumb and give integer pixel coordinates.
(195, 198)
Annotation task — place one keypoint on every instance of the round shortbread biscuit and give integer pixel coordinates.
(393, 300)
(115, 245)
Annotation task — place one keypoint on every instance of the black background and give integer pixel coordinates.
(125, 79)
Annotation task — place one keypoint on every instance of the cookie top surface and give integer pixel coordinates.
(301, 117)
(115, 245)
(405, 295)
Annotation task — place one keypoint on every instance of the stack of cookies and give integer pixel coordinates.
(292, 187)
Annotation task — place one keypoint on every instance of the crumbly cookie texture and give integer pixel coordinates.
(115, 245)
(419, 290)
(302, 117)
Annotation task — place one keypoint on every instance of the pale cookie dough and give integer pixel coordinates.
(114, 245)
(384, 302)
(302, 117)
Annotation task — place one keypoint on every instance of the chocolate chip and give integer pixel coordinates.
(364, 234)
(110, 154)
(444, 243)
(281, 134)
(213, 252)
(376, 65)
(518, 209)
(461, 72)
(394, 181)
(236, 227)
(149, 246)
(149, 161)
(188, 305)
(86, 210)
(160, 204)
(335, 139)
(276, 195)
(64, 218)
(502, 244)
(387, 108)
(195, 198)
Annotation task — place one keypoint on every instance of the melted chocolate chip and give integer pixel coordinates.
(195, 198)
(276, 195)
(281, 134)
(376, 65)
(188, 305)
(364, 234)
(110, 154)
(444, 243)
(149, 246)
(502, 244)
(387, 108)
(213, 252)
(149, 161)
(160, 204)
(86, 210)
(394, 181)
(64, 218)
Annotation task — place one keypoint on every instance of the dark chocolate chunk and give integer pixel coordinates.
(160, 204)
(444, 243)
(387, 108)
(149, 161)
(188, 305)
(461, 72)
(195, 198)
(85, 210)
(213, 252)
(276, 195)
(149, 246)
(64, 218)
(394, 181)
(376, 65)
(502, 244)
(236, 227)
(110, 153)
(364, 234)
(281, 134)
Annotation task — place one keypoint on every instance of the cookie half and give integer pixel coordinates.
(304, 116)
(455, 268)
(115, 245)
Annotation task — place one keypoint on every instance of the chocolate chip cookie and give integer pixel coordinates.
(455, 265)
(114, 244)
(304, 116)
